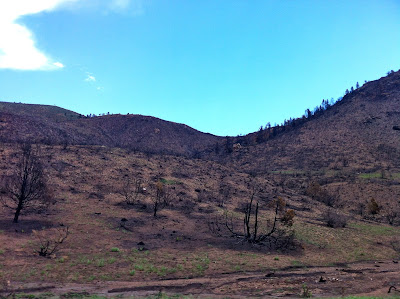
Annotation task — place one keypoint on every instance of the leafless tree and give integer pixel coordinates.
(131, 190)
(157, 199)
(162, 197)
(27, 186)
(224, 193)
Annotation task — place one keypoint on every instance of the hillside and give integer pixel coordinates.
(352, 149)
(54, 125)
(39, 111)
(357, 133)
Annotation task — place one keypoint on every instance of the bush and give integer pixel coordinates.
(315, 191)
(287, 218)
(373, 207)
(50, 240)
(334, 219)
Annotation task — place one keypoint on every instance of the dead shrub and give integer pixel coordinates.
(316, 192)
(393, 215)
(373, 207)
(334, 219)
(50, 240)
(131, 190)
(287, 218)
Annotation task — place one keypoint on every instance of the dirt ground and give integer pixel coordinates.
(369, 278)
(175, 252)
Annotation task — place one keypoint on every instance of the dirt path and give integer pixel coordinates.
(369, 278)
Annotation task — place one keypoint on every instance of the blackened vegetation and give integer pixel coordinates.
(161, 198)
(274, 233)
(334, 219)
(316, 192)
(50, 241)
(131, 189)
(27, 186)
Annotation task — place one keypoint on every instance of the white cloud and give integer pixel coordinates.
(17, 44)
(58, 64)
(90, 78)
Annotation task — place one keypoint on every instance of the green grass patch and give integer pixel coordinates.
(372, 175)
(374, 229)
(100, 263)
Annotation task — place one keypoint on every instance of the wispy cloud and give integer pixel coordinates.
(120, 4)
(58, 64)
(90, 78)
(17, 44)
(134, 7)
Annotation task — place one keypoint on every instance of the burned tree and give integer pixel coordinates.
(162, 197)
(224, 193)
(256, 229)
(27, 186)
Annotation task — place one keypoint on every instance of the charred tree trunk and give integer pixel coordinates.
(17, 211)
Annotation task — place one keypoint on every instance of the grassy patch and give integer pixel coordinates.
(374, 229)
(200, 264)
(372, 175)
(100, 263)
(357, 242)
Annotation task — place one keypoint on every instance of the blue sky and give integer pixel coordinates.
(224, 67)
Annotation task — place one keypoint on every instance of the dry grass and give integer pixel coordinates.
(177, 244)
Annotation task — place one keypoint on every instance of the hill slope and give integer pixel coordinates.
(54, 125)
(357, 132)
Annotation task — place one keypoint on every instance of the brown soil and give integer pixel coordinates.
(367, 278)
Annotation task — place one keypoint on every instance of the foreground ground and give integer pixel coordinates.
(176, 252)
(366, 279)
